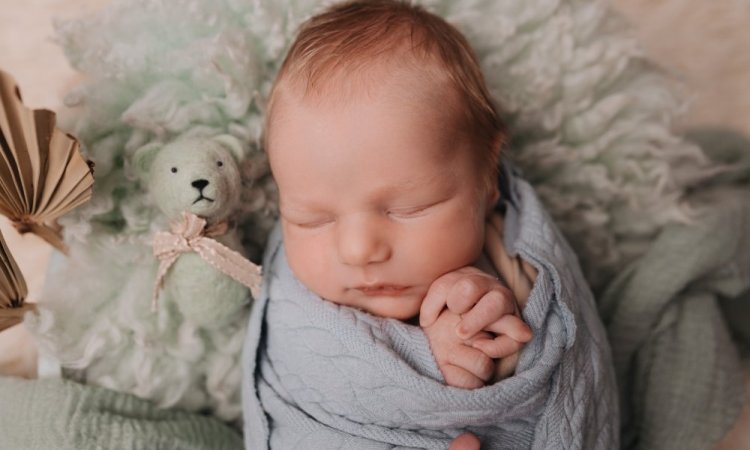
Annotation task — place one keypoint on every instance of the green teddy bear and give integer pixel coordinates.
(199, 176)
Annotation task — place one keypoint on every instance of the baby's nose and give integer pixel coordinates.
(361, 244)
(199, 183)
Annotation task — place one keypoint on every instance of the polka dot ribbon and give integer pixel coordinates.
(192, 235)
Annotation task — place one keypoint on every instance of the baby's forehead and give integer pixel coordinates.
(423, 90)
(311, 124)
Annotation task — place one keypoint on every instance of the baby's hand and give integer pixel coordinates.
(483, 304)
(461, 365)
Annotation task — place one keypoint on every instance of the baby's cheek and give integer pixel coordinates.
(445, 248)
(309, 260)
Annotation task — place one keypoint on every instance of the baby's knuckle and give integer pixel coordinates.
(496, 303)
(467, 286)
(438, 289)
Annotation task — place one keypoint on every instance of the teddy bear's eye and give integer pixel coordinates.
(219, 163)
(174, 169)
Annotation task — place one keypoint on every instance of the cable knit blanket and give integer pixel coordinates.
(322, 376)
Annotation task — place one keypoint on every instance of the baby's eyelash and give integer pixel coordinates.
(310, 224)
(316, 224)
(408, 212)
(415, 211)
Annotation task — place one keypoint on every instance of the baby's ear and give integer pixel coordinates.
(144, 157)
(230, 143)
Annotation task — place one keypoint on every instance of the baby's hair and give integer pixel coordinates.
(347, 38)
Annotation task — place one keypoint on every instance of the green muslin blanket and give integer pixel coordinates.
(55, 414)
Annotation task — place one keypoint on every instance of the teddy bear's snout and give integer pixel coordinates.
(199, 183)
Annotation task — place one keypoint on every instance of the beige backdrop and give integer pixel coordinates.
(705, 43)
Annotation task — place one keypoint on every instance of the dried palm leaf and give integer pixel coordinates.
(42, 172)
(13, 289)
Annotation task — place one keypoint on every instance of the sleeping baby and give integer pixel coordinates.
(382, 323)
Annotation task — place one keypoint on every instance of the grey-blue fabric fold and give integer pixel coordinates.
(324, 376)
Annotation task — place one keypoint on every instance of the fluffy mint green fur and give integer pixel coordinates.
(187, 353)
(590, 119)
(590, 123)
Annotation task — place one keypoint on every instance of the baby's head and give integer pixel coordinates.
(384, 143)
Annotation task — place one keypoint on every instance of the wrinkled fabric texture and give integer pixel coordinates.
(64, 415)
(321, 376)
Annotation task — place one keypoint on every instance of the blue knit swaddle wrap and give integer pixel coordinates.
(322, 376)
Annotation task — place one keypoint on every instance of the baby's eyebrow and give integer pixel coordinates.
(299, 206)
(413, 184)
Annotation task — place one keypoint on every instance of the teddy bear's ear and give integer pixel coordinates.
(230, 143)
(144, 157)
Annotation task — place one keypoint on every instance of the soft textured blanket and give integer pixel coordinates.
(322, 376)
(64, 415)
(678, 370)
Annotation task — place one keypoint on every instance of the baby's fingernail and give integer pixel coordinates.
(462, 331)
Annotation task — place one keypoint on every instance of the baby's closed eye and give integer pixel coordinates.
(306, 219)
(414, 211)
(310, 223)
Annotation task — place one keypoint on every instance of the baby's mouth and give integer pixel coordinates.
(202, 197)
(382, 289)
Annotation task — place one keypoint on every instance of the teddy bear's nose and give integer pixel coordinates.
(199, 183)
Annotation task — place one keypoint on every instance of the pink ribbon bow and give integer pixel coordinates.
(191, 235)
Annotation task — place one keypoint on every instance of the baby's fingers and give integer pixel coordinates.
(461, 378)
(435, 300)
(446, 287)
(468, 290)
(499, 347)
(491, 307)
(511, 326)
(473, 361)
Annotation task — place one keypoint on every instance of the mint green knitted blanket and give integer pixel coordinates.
(64, 415)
